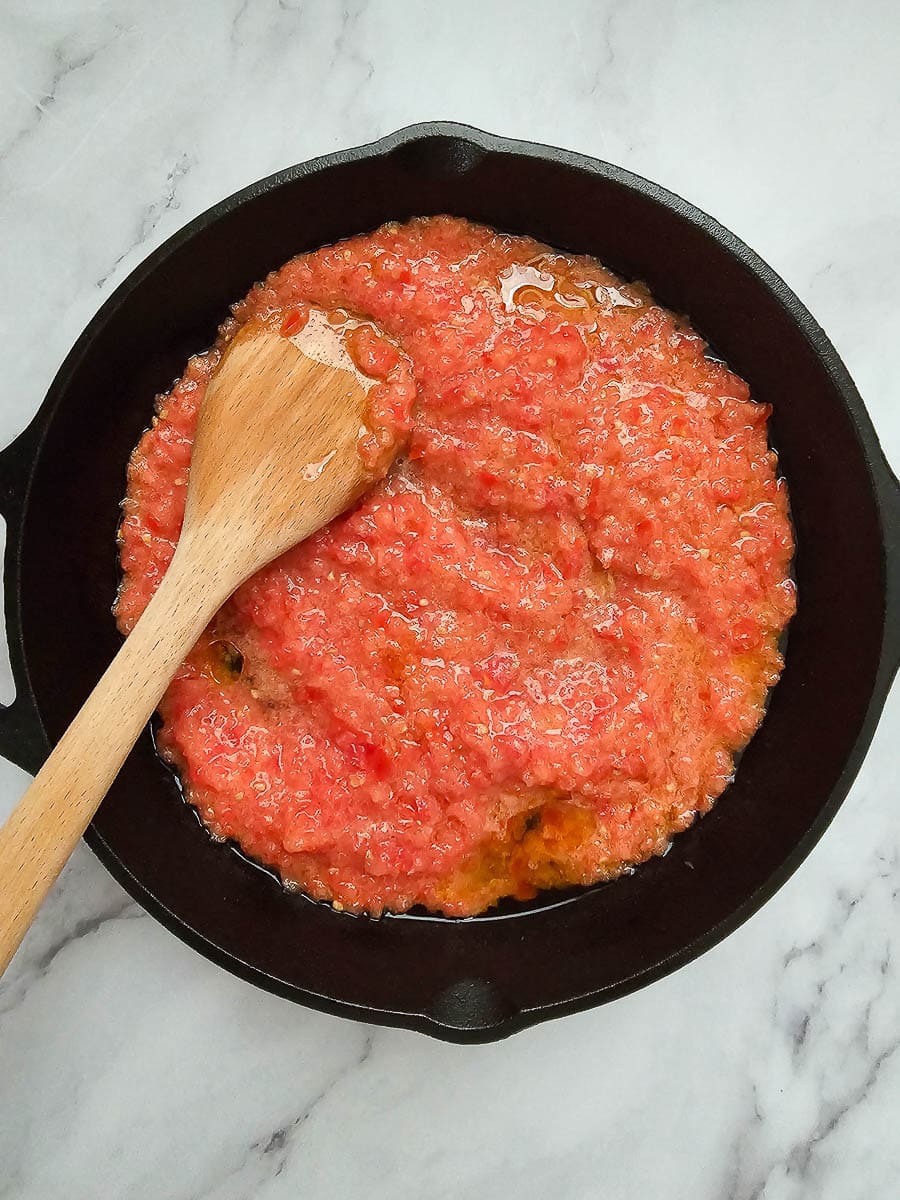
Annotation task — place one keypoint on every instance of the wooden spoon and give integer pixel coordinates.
(275, 458)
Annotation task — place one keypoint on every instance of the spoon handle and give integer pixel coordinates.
(45, 826)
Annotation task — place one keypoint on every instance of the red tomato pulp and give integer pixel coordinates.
(528, 655)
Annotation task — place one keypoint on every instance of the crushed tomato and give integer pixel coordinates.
(528, 655)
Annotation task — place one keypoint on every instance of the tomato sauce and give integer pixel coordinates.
(527, 657)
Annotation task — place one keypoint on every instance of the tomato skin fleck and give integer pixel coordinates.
(526, 657)
(294, 320)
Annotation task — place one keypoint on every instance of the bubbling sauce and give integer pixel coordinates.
(527, 657)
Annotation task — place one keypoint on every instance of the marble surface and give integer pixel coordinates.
(767, 1070)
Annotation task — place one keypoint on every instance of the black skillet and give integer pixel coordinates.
(474, 980)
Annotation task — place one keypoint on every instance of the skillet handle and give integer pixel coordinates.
(891, 517)
(22, 739)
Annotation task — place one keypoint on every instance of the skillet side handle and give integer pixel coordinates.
(22, 738)
(891, 511)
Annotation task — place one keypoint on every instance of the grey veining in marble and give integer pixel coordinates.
(767, 1070)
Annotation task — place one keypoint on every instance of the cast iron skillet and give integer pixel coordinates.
(473, 980)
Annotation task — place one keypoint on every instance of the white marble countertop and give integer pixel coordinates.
(767, 1070)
